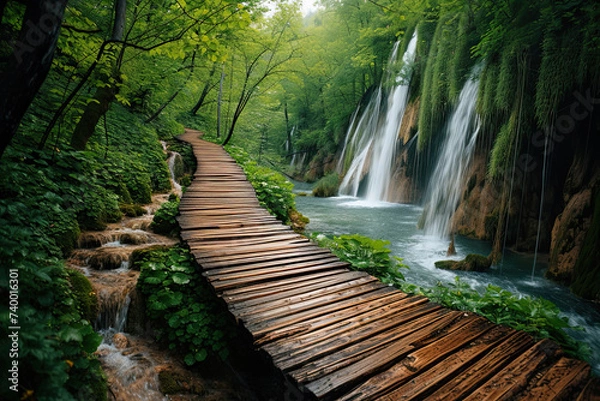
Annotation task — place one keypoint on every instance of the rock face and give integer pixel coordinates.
(472, 263)
(568, 235)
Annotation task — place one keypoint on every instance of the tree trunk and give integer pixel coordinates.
(161, 108)
(207, 87)
(104, 95)
(92, 114)
(29, 64)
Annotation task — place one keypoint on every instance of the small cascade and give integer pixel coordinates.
(446, 183)
(174, 158)
(372, 135)
(104, 258)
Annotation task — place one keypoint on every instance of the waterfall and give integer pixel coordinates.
(445, 185)
(372, 134)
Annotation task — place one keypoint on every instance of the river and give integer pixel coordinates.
(397, 223)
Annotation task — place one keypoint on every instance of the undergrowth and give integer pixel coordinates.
(183, 310)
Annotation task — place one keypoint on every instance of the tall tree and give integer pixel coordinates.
(264, 53)
(28, 64)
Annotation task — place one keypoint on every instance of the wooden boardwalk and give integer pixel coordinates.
(342, 335)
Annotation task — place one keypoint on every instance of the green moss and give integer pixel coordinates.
(472, 263)
(327, 186)
(587, 269)
(84, 293)
(506, 88)
(132, 209)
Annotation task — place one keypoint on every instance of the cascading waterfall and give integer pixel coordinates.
(371, 138)
(457, 149)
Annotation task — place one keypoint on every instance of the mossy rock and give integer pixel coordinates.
(132, 209)
(175, 382)
(297, 220)
(84, 293)
(327, 186)
(472, 263)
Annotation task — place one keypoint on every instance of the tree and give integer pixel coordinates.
(264, 53)
(28, 64)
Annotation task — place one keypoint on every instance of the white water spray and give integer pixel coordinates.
(372, 136)
(446, 183)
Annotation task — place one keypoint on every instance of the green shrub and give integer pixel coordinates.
(327, 186)
(164, 221)
(537, 316)
(273, 191)
(366, 254)
(182, 307)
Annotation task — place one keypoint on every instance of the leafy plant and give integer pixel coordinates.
(181, 306)
(537, 316)
(164, 221)
(366, 254)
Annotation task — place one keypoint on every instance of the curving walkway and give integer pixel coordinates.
(341, 334)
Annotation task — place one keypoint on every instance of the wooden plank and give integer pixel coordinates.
(275, 293)
(514, 377)
(343, 351)
(417, 362)
(281, 254)
(250, 250)
(260, 329)
(219, 243)
(463, 384)
(250, 291)
(295, 303)
(431, 379)
(321, 328)
(359, 361)
(559, 381)
(355, 329)
(220, 284)
(591, 391)
(233, 233)
(251, 266)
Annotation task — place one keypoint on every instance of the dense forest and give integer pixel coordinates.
(88, 90)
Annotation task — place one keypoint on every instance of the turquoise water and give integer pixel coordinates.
(397, 223)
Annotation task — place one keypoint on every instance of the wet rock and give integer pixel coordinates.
(472, 263)
(568, 235)
(178, 381)
(120, 341)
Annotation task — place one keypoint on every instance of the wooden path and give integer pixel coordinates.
(342, 335)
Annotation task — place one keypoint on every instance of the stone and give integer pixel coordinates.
(120, 341)
(472, 263)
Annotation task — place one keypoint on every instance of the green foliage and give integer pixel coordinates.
(84, 293)
(327, 186)
(537, 316)
(164, 221)
(273, 191)
(500, 152)
(366, 254)
(181, 306)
